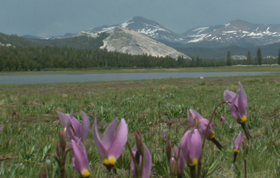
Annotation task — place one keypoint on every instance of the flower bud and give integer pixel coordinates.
(139, 143)
(62, 139)
(137, 157)
(168, 150)
(58, 150)
(173, 167)
(196, 122)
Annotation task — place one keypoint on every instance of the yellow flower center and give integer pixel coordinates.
(241, 120)
(192, 162)
(85, 173)
(236, 150)
(111, 161)
(211, 136)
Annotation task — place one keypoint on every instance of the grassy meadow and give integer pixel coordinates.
(30, 124)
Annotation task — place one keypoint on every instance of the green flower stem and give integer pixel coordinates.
(204, 138)
(137, 173)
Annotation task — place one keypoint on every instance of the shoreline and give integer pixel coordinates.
(238, 68)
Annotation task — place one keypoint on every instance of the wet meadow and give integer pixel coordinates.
(30, 123)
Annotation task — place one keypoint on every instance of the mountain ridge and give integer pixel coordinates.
(235, 33)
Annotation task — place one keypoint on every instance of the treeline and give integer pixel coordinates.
(258, 60)
(41, 58)
(220, 53)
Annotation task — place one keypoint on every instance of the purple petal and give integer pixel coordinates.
(233, 108)
(195, 114)
(184, 145)
(80, 160)
(70, 134)
(195, 144)
(76, 125)
(63, 118)
(97, 141)
(204, 121)
(237, 140)
(190, 119)
(109, 134)
(148, 164)
(229, 95)
(85, 126)
(119, 140)
(242, 101)
(203, 126)
(147, 168)
(132, 166)
(181, 163)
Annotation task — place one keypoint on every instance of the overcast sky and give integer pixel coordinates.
(57, 17)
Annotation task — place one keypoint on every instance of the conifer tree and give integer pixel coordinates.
(229, 59)
(249, 61)
(279, 57)
(259, 56)
(198, 61)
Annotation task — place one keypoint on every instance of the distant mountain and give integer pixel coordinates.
(207, 42)
(82, 42)
(18, 41)
(129, 41)
(144, 26)
(235, 33)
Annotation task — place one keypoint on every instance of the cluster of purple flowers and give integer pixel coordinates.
(110, 147)
(188, 151)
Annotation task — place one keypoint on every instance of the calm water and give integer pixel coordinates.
(55, 78)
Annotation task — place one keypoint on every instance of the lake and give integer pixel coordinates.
(56, 78)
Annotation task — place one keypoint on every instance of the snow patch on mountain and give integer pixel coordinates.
(125, 24)
(88, 34)
(227, 24)
(152, 32)
(197, 38)
(200, 29)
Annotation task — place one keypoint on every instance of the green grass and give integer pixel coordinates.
(145, 104)
(128, 70)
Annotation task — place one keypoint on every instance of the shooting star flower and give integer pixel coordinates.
(110, 148)
(237, 103)
(237, 140)
(197, 121)
(79, 158)
(74, 127)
